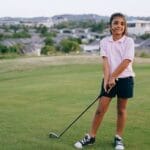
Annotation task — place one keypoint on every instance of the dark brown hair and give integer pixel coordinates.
(118, 15)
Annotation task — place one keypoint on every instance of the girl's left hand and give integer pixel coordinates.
(111, 82)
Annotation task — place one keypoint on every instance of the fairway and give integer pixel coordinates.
(40, 95)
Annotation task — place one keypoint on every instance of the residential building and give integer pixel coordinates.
(138, 27)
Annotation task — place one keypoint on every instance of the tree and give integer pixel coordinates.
(22, 34)
(11, 49)
(15, 28)
(1, 36)
(98, 27)
(78, 40)
(3, 49)
(68, 46)
(5, 27)
(49, 41)
(145, 36)
(62, 25)
(42, 29)
(25, 28)
(48, 50)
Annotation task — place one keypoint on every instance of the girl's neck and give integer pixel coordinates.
(117, 37)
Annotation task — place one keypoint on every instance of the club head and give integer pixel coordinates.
(53, 135)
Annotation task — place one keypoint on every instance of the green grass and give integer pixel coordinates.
(35, 101)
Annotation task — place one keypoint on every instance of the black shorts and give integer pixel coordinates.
(123, 89)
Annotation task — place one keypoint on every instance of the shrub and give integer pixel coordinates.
(48, 50)
(49, 41)
(68, 46)
(3, 49)
(21, 35)
(145, 36)
(144, 55)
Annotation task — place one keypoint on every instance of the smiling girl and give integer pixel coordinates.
(117, 52)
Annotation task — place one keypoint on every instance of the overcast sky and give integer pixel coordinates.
(34, 8)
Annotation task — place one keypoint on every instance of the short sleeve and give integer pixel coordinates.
(129, 49)
(103, 49)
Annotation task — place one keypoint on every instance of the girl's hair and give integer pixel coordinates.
(118, 15)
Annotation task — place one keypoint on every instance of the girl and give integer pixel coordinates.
(117, 52)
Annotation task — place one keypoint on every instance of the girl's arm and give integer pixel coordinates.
(106, 72)
(118, 71)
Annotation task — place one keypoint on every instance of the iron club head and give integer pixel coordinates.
(53, 135)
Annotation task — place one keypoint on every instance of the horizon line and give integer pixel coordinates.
(68, 14)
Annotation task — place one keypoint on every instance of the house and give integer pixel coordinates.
(138, 27)
(30, 46)
(48, 23)
(65, 30)
(9, 21)
(80, 30)
(93, 47)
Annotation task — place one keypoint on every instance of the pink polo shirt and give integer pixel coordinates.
(116, 52)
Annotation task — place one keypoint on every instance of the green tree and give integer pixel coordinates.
(63, 25)
(98, 27)
(48, 50)
(78, 40)
(17, 48)
(5, 27)
(43, 30)
(68, 46)
(25, 28)
(22, 34)
(49, 41)
(15, 28)
(1, 36)
(11, 49)
(3, 49)
(145, 36)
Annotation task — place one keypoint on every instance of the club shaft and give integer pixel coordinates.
(77, 117)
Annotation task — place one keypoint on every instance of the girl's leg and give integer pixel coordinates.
(99, 114)
(121, 115)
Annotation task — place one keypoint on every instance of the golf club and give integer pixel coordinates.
(110, 89)
(54, 135)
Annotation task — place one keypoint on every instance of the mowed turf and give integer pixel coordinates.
(35, 101)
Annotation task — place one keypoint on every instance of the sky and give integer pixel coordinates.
(49, 8)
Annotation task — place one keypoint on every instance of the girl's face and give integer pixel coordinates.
(118, 26)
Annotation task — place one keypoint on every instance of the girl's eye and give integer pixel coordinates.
(122, 23)
(117, 22)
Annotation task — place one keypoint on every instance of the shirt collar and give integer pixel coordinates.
(119, 41)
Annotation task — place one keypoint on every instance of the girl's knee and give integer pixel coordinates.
(100, 112)
(121, 112)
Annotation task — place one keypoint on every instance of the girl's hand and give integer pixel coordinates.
(111, 82)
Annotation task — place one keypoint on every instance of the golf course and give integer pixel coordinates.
(39, 95)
